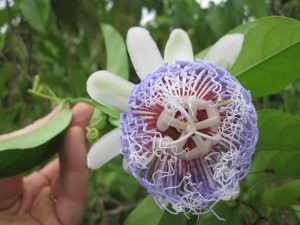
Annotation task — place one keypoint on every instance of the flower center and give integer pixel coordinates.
(191, 126)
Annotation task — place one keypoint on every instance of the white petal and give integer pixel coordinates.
(226, 50)
(143, 51)
(178, 47)
(109, 90)
(105, 149)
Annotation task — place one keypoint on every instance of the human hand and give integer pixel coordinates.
(56, 194)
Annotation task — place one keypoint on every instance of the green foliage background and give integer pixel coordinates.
(66, 41)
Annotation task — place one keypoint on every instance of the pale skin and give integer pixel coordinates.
(28, 200)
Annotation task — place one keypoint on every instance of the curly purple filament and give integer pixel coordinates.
(189, 135)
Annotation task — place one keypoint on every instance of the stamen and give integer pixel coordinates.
(210, 122)
(169, 144)
(213, 111)
(202, 146)
(163, 119)
(215, 138)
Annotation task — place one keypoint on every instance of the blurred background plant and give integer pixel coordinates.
(64, 41)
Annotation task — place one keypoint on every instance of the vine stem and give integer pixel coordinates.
(112, 112)
(72, 101)
(101, 207)
(43, 95)
(246, 219)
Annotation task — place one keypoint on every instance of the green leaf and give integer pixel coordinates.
(278, 130)
(269, 60)
(116, 55)
(270, 165)
(277, 151)
(286, 195)
(32, 148)
(257, 8)
(148, 213)
(52, 48)
(229, 20)
(2, 39)
(67, 13)
(3, 16)
(5, 73)
(297, 210)
(36, 12)
(202, 54)
(8, 117)
(230, 214)
(78, 82)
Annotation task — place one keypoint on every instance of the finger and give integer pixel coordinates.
(33, 126)
(71, 186)
(82, 114)
(50, 170)
(11, 191)
(33, 184)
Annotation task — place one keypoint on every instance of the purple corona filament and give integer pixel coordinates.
(189, 135)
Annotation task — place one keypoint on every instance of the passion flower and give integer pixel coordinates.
(189, 134)
(188, 130)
